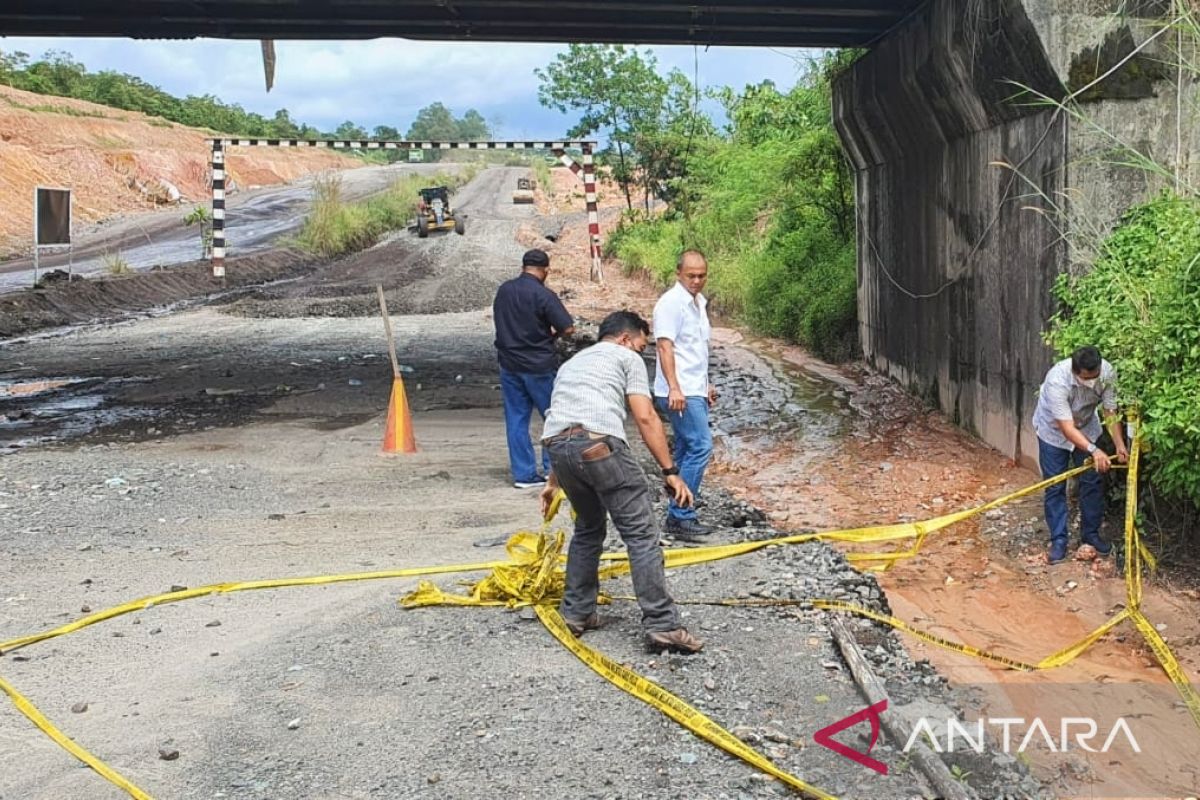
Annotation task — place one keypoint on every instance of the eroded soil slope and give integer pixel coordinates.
(117, 161)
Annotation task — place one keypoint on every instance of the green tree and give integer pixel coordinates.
(59, 73)
(200, 216)
(473, 127)
(349, 130)
(769, 201)
(386, 132)
(283, 127)
(434, 123)
(12, 66)
(617, 92)
(666, 142)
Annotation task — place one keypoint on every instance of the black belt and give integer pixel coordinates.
(574, 430)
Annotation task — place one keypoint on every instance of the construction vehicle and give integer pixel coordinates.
(524, 192)
(435, 214)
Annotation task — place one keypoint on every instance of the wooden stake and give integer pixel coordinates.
(387, 325)
(896, 726)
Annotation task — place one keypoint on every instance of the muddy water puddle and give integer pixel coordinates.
(48, 410)
(769, 403)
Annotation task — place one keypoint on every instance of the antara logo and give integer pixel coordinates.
(1074, 733)
(824, 737)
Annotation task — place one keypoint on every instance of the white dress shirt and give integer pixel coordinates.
(683, 319)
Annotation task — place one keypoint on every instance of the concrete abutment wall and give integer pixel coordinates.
(958, 245)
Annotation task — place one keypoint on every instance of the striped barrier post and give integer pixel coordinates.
(589, 195)
(218, 209)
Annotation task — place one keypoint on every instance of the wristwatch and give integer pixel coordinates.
(1091, 448)
(671, 470)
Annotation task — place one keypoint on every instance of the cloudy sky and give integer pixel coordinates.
(385, 81)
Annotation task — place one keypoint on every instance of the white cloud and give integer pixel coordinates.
(386, 81)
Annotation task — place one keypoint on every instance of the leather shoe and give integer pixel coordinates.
(677, 641)
(593, 622)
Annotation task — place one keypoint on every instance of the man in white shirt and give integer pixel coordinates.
(681, 388)
(1067, 429)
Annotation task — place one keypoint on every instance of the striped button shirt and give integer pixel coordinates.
(1063, 397)
(590, 390)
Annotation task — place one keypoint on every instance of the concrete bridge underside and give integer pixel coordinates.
(782, 23)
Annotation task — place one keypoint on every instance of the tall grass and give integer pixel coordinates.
(115, 264)
(541, 171)
(335, 227)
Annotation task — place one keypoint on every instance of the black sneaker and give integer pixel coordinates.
(686, 530)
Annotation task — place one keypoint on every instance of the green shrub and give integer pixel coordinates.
(771, 205)
(334, 227)
(773, 264)
(1140, 305)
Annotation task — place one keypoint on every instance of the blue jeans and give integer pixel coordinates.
(693, 447)
(1055, 461)
(522, 392)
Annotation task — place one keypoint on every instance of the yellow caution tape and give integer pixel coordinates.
(1133, 567)
(1169, 664)
(1147, 556)
(899, 624)
(555, 504)
(656, 696)
(242, 586)
(1058, 659)
(1068, 654)
(529, 576)
(688, 556)
(62, 740)
(534, 575)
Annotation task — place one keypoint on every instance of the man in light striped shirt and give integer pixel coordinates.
(592, 462)
(1067, 429)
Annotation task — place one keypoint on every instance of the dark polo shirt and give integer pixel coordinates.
(524, 312)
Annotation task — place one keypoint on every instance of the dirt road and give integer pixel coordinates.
(241, 441)
(257, 218)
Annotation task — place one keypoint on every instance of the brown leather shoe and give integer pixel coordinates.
(677, 641)
(593, 622)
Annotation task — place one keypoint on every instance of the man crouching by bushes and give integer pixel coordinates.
(1067, 428)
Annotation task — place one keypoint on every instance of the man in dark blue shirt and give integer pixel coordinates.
(528, 317)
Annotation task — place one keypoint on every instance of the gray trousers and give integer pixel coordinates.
(611, 486)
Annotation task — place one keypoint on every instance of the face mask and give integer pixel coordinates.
(1089, 383)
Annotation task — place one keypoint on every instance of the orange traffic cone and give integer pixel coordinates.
(398, 436)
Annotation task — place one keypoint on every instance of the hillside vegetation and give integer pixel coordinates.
(769, 199)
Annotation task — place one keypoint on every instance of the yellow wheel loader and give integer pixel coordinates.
(435, 214)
